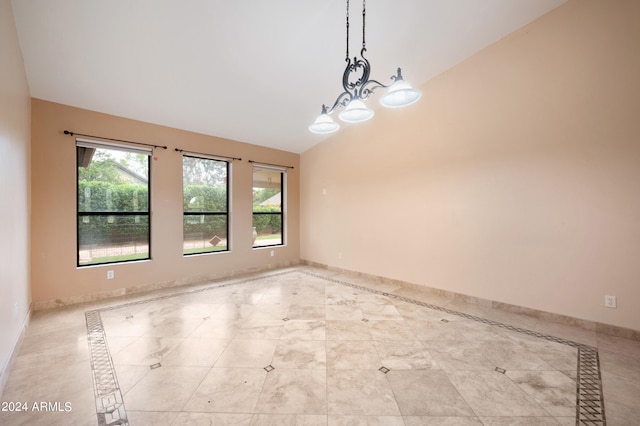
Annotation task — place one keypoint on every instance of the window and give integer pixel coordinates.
(268, 202)
(113, 203)
(205, 190)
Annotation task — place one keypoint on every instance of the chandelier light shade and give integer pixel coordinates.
(356, 91)
(356, 112)
(400, 93)
(324, 124)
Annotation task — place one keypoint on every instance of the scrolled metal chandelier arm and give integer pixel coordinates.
(359, 89)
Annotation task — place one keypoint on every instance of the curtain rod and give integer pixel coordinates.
(209, 155)
(274, 165)
(67, 132)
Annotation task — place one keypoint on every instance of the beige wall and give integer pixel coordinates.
(15, 119)
(54, 271)
(516, 178)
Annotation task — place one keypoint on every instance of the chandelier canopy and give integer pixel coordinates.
(399, 93)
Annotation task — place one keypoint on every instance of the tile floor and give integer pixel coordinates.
(307, 346)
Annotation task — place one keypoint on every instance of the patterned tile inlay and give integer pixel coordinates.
(110, 406)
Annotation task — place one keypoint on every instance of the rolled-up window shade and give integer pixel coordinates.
(270, 167)
(86, 143)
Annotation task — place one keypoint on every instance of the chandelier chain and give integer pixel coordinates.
(364, 22)
(347, 57)
(364, 14)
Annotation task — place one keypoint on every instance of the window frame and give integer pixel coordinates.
(283, 199)
(89, 144)
(227, 214)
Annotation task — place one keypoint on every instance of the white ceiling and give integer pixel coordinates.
(255, 71)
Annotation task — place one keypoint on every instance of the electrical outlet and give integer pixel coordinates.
(110, 275)
(272, 253)
(610, 302)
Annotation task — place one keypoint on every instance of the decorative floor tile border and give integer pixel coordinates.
(110, 405)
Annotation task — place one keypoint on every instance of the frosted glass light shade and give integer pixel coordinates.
(356, 112)
(323, 125)
(400, 94)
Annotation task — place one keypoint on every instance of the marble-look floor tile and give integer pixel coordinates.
(376, 311)
(390, 330)
(130, 375)
(441, 421)
(405, 356)
(365, 297)
(621, 415)
(306, 312)
(227, 390)
(146, 351)
(229, 311)
(339, 295)
(45, 419)
(204, 419)
(347, 330)
(344, 312)
(173, 327)
(620, 365)
(249, 353)
(303, 330)
(458, 355)
(626, 347)
(44, 384)
(360, 392)
(557, 355)
(220, 328)
(620, 389)
(268, 314)
(493, 394)
(411, 311)
(335, 420)
(554, 391)
(194, 352)
(300, 354)
(290, 391)
(151, 418)
(345, 355)
(511, 356)
(254, 331)
(125, 325)
(521, 421)
(477, 331)
(567, 421)
(164, 389)
(427, 393)
(433, 329)
(308, 297)
(288, 420)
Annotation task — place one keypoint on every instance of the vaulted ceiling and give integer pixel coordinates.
(250, 70)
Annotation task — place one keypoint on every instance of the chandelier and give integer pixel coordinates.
(358, 87)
